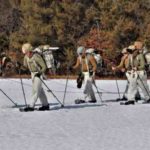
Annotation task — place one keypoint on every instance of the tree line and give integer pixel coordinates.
(106, 25)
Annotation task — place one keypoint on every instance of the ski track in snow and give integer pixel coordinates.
(75, 127)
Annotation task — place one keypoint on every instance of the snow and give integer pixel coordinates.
(75, 127)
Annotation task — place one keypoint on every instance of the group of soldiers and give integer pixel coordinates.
(132, 64)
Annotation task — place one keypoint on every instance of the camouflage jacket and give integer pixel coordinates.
(137, 62)
(86, 63)
(35, 63)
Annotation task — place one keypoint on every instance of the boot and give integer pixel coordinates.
(43, 108)
(79, 101)
(137, 98)
(122, 99)
(129, 102)
(92, 101)
(26, 109)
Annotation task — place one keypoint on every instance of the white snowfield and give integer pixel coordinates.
(75, 127)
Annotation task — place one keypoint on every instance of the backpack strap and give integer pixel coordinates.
(86, 61)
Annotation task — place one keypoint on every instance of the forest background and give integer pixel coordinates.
(106, 25)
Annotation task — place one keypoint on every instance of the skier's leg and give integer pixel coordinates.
(126, 91)
(43, 98)
(142, 81)
(36, 89)
(132, 78)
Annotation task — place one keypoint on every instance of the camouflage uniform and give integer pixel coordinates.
(123, 66)
(37, 67)
(87, 64)
(137, 76)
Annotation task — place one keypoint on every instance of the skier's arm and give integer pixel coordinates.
(77, 64)
(25, 64)
(121, 65)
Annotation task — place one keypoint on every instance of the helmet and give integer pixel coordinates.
(80, 50)
(138, 45)
(131, 47)
(124, 50)
(26, 48)
(89, 51)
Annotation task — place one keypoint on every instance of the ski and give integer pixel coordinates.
(87, 103)
(134, 103)
(127, 103)
(79, 101)
(35, 109)
(71, 106)
(22, 109)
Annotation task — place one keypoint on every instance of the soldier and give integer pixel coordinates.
(123, 67)
(37, 67)
(136, 74)
(88, 68)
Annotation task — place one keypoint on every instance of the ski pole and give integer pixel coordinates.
(143, 85)
(22, 87)
(118, 89)
(8, 97)
(52, 93)
(98, 92)
(66, 85)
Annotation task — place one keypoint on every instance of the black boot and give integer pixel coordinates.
(79, 101)
(137, 98)
(26, 109)
(121, 99)
(131, 102)
(43, 108)
(92, 101)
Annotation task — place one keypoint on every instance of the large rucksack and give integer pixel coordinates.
(38, 51)
(147, 60)
(97, 57)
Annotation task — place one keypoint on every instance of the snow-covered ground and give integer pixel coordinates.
(75, 127)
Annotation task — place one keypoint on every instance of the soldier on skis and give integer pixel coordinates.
(87, 66)
(123, 67)
(136, 74)
(37, 67)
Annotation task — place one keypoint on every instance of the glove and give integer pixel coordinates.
(38, 75)
(91, 73)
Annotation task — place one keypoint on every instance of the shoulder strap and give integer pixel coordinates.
(87, 62)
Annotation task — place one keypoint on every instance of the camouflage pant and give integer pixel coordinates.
(88, 89)
(137, 78)
(37, 91)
